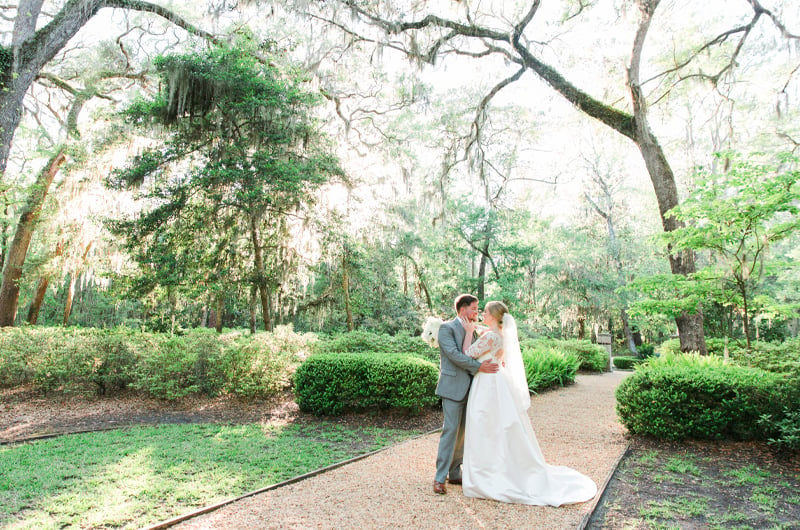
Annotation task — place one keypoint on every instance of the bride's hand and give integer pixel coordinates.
(469, 327)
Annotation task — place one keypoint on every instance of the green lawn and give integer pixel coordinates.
(134, 477)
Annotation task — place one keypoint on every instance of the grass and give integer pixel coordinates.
(134, 477)
(682, 465)
(749, 474)
(680, 506)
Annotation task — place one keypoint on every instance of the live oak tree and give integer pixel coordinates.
(63, 143)
(240, 165)
(427, 36)
(31, 49)
(33, 45)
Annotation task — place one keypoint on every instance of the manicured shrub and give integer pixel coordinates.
(669, 347)
(116, 355)
(547, 368)
(329, 384)
(413, 345)
(625, 362)
(782, 358)
(688, 396)
(168, 372)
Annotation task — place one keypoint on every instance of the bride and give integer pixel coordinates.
(502, 458)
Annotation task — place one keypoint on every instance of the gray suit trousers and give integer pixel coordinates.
(451, 442)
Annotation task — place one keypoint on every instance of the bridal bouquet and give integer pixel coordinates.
(430, 331)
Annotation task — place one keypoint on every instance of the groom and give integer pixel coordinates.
(455, 377)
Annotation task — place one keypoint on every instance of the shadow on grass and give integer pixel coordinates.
(129, 478)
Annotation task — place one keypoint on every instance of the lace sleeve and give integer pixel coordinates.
(486, 343)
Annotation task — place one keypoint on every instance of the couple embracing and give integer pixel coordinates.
(487, 443)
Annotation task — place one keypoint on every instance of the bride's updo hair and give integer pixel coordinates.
(497, 310)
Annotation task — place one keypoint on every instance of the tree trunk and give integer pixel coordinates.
(746, 317)
(279, 309)
(70, 296)
(532, 270)
(205, 312)
(616, 254)
(173, 303)
(18, 251)
(73, 277)
(626, 329)
(270, 311)
(405, 277)
(481, 289)
(38, 299)
(41, 290)
(346, 288)
(260, 279)
(424, 289)
(690, 325)
(253, 304)
(220, 309)
(421, 286)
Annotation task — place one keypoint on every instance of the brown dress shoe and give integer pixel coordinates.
(454, 481)
(439, 488)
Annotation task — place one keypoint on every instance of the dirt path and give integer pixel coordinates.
(576, 426)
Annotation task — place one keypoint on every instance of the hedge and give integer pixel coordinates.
(696, 397)
(330, 384)
(781, 357)
(624, 362)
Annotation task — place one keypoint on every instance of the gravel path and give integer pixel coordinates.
(576, 426)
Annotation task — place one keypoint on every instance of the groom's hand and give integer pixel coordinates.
(489, 367)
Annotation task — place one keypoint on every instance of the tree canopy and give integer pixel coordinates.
(346, 165)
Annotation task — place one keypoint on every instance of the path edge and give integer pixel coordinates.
(213, 507)
(604, 488)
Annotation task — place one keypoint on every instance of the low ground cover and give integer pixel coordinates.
(709, 485)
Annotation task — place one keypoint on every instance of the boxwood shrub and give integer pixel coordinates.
(703, 398)
(625, 362)
(333, 383)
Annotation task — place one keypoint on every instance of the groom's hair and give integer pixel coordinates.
(464, 300)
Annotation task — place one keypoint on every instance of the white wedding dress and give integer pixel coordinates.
(502, 458)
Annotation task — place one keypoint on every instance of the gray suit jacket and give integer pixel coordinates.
(455, 366)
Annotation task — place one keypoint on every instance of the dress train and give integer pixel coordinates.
(502, 458)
